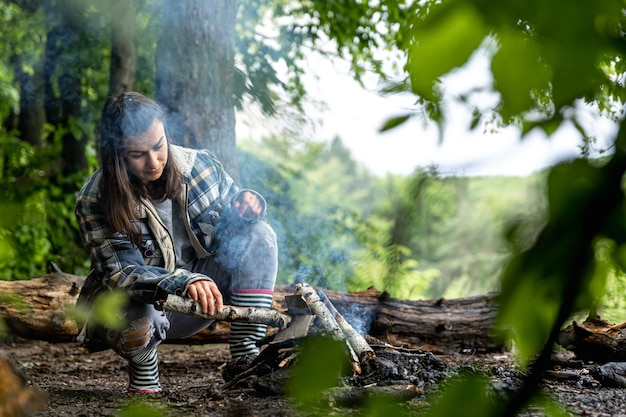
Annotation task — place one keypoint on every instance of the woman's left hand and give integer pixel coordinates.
(248, 205)
(205, 291)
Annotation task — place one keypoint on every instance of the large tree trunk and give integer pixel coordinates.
(63, 89)
(194, 75)
(123, 58)
(32, 116)
(41, 308)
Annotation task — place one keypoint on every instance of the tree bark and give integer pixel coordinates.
(32, 117)
(194, 75)
(123, 58)
(64, 109)
(41, 308)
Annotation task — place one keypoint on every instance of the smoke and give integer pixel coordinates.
(359, 316)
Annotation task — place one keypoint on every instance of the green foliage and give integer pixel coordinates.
(20, 41)
(566, 269)
(424, 236)
(106, 307)
(38, 224)
(331, 232)
(140, 409)
(439, 31)
(547, 57)
(471, 391)
(612, 305)
(312, 377)
(518, 70)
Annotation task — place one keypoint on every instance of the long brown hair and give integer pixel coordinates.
(126, 115)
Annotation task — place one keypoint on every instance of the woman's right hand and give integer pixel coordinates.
(206, 292)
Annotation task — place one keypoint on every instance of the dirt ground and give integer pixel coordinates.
(81, 384)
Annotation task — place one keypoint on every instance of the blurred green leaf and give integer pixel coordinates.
(384, 406)
(321, 363)
(550, 407)
(106, 308)
(394, 122)
(528, 310)
(140, 409)
(445, 40)
(518, 72)
(465, 396)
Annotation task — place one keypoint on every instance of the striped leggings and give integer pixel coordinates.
(244, 268)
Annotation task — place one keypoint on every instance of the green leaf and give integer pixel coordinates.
(465, 396)
(394, 122)
(140, 409)
(107, 307)
(517, 72)
(313, 376)
(528, 309)
(444, 41)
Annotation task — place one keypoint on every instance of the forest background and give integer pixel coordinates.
(340, 227)
(551, 244)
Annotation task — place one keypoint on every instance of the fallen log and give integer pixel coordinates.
(41, 309)
(595, 340)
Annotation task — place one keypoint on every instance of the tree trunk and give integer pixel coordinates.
(123, 58)
(64, 110)
(194, 75)
(41, 308)
(32, 116)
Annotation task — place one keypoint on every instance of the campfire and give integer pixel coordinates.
(374, 364)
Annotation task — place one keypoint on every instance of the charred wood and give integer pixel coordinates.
(595, 339)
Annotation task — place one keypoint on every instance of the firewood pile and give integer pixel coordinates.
(373, 363)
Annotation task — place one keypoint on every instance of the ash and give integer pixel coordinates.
(394, 367)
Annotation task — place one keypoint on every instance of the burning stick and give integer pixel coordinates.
(327, 320)
(320, 310)
(356, 340)
(229, 313)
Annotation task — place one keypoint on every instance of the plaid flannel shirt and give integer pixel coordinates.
(117, 263)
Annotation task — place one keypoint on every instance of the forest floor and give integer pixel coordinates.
(81, 384)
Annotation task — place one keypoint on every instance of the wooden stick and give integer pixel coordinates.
(229, 313)
(363, 350)
(320, 310)
(327, 320)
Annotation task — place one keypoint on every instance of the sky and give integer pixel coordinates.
(355, 114)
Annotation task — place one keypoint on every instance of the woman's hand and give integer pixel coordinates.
(206, 292)
(248, 205)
